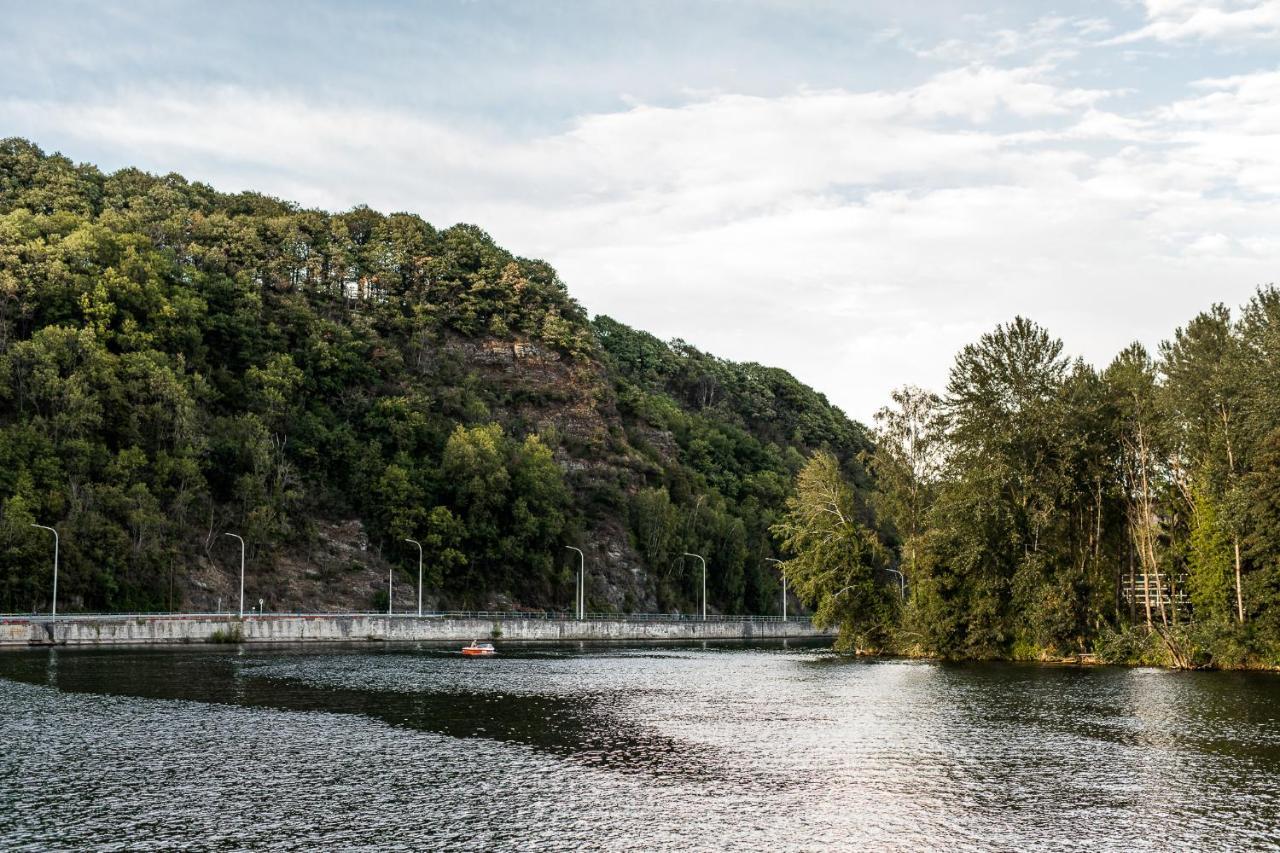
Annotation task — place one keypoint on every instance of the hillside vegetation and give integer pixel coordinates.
(177, 363)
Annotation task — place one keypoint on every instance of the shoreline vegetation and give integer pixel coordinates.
(1043, 509)
(177, 364)
(1136, 651)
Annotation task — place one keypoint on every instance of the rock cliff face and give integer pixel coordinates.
(543, 390)
(340, 571)
(574, 400)
(538, 391)
(608, 454)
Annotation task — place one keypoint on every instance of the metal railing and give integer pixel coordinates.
(548, 615)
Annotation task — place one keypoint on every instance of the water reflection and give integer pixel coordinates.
(591, 748)
(544, 706)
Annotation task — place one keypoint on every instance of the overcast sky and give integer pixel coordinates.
(852, 191)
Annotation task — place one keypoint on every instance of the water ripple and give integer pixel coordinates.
(594, 749)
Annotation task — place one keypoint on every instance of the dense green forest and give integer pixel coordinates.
(1042, 508)
(178, 363)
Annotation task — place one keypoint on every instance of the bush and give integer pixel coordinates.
(230, 635)
(1133, 645)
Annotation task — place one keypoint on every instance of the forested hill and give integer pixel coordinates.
(178, 363)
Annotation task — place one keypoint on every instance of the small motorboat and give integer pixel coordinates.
(479, 650)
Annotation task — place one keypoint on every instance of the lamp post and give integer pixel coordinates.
(53, 608)
(390, 575)
(784, 584)
(234, 536)
(582, 582)
(902, 584)
(419, 544)
(704, 583)
(902, 581)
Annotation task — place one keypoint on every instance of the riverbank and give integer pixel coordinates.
(1208, 647)
(294, 628)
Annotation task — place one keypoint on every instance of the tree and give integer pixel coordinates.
(1210, 564)
(1203, 369)
(908, 462)
(835, 557)
(1009, 406)
(1132, 378)
(441, 545)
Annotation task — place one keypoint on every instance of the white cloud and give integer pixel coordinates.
(1203, 20)
(1232, 133)
(1049, 37)
(857, 238)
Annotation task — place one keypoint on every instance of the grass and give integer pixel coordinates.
(229, 635)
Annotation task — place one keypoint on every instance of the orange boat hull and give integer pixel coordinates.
(478, 653)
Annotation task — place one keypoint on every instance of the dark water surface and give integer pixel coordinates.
(717, 748)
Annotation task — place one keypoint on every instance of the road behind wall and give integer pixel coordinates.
(122, 630)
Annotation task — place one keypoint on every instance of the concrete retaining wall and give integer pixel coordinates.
(107, 630)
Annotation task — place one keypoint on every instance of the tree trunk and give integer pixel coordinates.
(1235, 539)
(1235, 536)
(1146, 578)
(1148, 553)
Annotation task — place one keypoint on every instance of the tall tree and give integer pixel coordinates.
(1202, 390)
(910, 451)
(836, 559)
(1132, 377)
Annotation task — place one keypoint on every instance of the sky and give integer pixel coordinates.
(851, 191)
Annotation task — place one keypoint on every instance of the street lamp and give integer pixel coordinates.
(234, 536)
(419, 544)
(582, 582)
(704, 583)
(53, 610)
(902, 584)
(784, 585)
(390, 575)
(902, 581)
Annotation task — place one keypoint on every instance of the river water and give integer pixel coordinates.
(673, 748)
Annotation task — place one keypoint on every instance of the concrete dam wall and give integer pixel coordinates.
(281, 628)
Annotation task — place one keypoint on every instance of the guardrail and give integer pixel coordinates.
(549, 615)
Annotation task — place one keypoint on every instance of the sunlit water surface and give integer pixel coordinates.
(732, 747)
